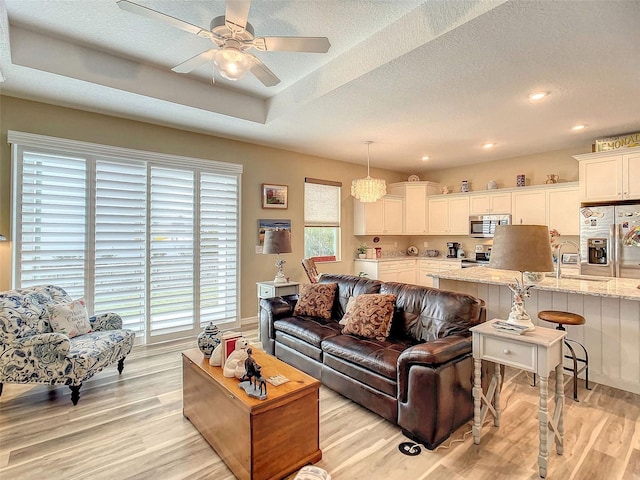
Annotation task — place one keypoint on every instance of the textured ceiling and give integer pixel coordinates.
(438, 78)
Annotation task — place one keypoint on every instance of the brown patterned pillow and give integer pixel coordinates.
(316, 300)
(350, 304)
(371, 316)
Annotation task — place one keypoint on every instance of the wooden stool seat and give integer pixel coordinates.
(562, 318)
(568, 318)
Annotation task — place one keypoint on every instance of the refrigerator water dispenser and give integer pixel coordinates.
(597, 251)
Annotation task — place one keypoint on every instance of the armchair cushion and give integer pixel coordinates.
(70, 318)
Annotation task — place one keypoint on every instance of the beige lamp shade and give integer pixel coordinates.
(524, 248)
(277, 241)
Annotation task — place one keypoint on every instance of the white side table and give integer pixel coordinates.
(272, 289)
(539, 352)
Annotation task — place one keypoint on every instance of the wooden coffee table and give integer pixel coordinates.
(257, 439)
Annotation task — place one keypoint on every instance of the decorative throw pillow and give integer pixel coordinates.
(316, 300)
(347, 314)
(70, 318)
(371, 316)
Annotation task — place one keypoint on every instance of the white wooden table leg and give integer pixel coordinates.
(496, 396)
(477, 400)
(558, 413)
(543, 418)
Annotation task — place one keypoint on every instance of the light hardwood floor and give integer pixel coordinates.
(131, 427)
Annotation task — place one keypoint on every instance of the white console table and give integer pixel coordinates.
(539, 352)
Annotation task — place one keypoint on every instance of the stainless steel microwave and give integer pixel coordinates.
(484, 226)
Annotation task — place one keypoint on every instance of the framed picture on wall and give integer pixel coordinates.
(274, 196)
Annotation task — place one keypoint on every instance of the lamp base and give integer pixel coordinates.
(280, 278)
(520, 318)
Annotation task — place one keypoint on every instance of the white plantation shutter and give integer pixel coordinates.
(172, 250)
(52, 211)
(120, 240)
(151, 237)
(218, 248)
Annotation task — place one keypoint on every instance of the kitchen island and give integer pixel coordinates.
(611, 307)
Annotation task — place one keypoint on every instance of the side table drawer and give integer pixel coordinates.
(509, 352)
(266, 291)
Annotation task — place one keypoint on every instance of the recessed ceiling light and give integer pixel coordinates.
(425, 158)
(579, 127)
(538, 95)
(489, 145)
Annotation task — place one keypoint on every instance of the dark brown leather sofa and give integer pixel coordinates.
(420, 377)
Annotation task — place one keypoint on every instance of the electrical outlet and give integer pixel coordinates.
(395, 244)
(425, 244)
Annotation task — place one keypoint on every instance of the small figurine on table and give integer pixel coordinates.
(252, 381)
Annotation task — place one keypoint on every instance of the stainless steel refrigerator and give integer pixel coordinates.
(610, 241)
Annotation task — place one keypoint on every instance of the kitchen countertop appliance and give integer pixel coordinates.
(484, 226)
(610, 240)
(452, 249)
(482, 256)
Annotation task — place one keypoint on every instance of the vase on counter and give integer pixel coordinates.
(492, 185)
(209, 339)
(464, 188)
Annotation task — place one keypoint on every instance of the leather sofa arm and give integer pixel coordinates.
(430, 354)
(435, 352)
(271, 309)
(106, 321)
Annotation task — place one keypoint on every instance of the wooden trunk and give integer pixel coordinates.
(257, 439)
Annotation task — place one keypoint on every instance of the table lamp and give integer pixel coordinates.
(523, 248)
(277, 241)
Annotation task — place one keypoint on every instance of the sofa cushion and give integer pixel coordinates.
(69, 318)
(371, 316)
(426, 314)
(308, 329)
(348, 286)
(316, 300)
(377, 356)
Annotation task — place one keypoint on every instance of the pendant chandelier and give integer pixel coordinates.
(368, 190)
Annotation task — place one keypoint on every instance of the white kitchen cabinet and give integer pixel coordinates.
(427, 266)
(563, 209)
(384, 217)
(494, 203)
(611, 175)
(401, 270)
(415, 204)
(448, 215)
(528, 207)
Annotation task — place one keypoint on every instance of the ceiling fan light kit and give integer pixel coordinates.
(368, 190)
(232, 36)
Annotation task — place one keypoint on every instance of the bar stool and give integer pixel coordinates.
(566, 318)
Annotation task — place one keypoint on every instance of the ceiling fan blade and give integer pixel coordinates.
(236, 14)
(194, 62)
(161, 17)
(262, 73)
(293, 44)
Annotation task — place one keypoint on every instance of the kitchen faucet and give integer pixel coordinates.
(559, 258)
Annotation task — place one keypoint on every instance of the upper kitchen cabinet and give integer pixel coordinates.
(556, 206)
(494, 203)
(611, 175)
(563, 207)
(415, 204)
(384, 217)
(448, 215)
(528, 207)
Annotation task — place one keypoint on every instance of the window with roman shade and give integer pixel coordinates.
(322, 219)
(152, 237)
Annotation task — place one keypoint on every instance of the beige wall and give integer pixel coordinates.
(504, 172)
(261, 165)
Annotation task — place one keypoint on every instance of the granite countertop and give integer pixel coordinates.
(626, 288)
(408, 257)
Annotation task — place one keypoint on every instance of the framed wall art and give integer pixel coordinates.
(274, 196)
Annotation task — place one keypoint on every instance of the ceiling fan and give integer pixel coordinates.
(232, 36)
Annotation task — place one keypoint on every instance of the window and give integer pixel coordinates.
(322, 219)
(151, 237)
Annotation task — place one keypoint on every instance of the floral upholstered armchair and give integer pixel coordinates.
(33, 351)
